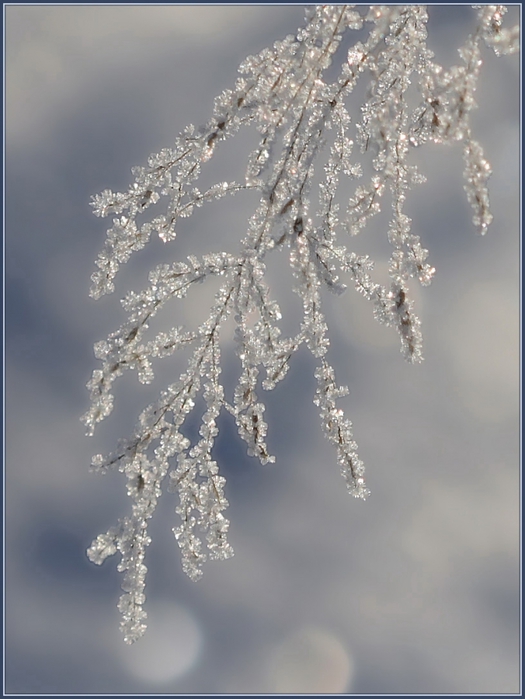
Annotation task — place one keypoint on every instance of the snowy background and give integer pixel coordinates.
(415, 590)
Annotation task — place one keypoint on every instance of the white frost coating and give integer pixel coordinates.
(302, 121)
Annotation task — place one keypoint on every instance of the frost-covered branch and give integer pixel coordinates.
(303, 122)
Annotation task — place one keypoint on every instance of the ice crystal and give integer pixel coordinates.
(302, 119)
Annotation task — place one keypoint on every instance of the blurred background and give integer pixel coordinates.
(415, 590)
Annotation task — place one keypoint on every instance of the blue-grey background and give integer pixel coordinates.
(415, 590)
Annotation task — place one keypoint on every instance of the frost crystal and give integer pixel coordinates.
(302, 119)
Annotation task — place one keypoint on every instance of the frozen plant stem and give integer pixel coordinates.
(302, 120)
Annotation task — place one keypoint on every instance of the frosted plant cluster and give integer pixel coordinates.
(303, 122)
